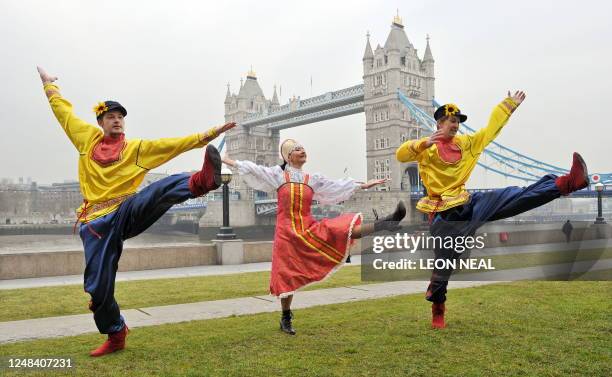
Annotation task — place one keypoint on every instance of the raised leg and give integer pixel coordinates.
(388, 223)
(139, 212)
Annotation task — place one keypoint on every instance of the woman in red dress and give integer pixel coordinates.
(305, 250)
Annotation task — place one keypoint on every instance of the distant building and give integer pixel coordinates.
(30, 203)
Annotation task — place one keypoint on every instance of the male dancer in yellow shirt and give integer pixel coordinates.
(110, 170)
(446, 161)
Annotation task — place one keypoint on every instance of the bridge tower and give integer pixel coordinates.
(388, 123)
(256, 144)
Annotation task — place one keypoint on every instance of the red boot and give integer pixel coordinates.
(577, 179)
(209, 178)
(115, 342)
(437, 311)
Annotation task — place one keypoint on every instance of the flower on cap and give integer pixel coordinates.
(450, 109)
(100, 108)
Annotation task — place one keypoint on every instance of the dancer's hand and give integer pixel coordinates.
(225, 127)
(44, 76)
(212, 133)
(434, 138)
(228, 161)
(518, 97)
(374, 182)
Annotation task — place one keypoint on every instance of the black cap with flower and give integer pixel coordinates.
(449, 109)
(102, 108)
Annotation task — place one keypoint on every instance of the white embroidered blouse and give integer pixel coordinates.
(269, 179)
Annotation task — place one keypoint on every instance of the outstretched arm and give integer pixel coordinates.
(212, 133)
(330, 191)
(79, 132)
(373, 182)
(498, 119)
(228, 161)
(263, 178)
(45, 77)
(153, 153)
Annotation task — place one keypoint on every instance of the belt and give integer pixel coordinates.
(102, 205)
(95, 208)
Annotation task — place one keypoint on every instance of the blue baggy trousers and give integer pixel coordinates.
(131, 218)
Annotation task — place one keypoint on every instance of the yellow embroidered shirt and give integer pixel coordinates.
(445, 181)
(105, 187)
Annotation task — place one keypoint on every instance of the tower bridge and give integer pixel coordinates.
(395, 65)
(398, 98)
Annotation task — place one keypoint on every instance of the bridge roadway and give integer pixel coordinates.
(297, 112)
(267, 206)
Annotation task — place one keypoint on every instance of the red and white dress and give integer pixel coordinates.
(305, 250)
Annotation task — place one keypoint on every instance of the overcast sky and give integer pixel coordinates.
(169, 62)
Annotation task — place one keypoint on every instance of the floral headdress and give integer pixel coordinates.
(450, 109)
(100, 108)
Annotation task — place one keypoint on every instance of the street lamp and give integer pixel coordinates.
(599, 187)
(226, 232)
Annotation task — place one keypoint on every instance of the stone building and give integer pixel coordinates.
(396, 65)
(255, 144)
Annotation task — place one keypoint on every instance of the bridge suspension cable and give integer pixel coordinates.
(514, 164)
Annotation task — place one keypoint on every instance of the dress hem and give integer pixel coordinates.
(357, 216)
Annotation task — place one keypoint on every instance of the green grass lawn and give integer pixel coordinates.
(28, 303)
(514, 329)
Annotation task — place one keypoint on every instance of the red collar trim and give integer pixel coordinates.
(108, 150)
(448, 151)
